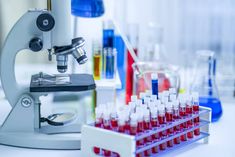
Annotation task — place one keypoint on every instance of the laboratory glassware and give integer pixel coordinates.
(168, 76)
(87, 8)
(204, 83)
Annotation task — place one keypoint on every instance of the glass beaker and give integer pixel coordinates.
(168, 76)
(204, 82)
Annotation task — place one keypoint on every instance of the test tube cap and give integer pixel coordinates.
(134, 98)
(172, 97)
(142, 95)
(153, 97)
(172, 90)
(154, 76)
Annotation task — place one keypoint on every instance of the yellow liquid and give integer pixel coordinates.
(97, 67)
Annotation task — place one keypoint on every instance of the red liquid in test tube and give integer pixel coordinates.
(147, 127)
(189, 112)
(196, 111)
(98, 123)
(183, 126)
(106, 125)
(176, 117)
(154, 124)
(169, 119)
(161, 120)
(140, 128)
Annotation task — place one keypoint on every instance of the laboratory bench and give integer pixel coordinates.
(221, 140)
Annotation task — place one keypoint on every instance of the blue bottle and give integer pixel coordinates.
(154, 77)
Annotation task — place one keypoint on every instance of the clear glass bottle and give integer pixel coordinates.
(204, 83)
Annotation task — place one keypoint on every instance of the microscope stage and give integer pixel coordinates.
(61, 83)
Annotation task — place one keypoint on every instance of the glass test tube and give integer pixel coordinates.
(97, 60)
(110, 63)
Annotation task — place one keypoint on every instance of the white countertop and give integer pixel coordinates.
(221, 141)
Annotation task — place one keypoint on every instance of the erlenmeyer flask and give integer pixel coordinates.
(204, 82)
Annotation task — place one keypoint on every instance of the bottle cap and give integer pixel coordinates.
(172, 91)
(133, 118)
(154, 112)
(172, 97)
(161, 109)
(142, 95)
(134, 98)
(146, 100)
(153, 97)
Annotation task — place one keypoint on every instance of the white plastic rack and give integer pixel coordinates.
(125, 145)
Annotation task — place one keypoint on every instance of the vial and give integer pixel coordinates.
(189, 112)
(154, 77)
(107, 125)
(147, 125)
(154, 124)
(98, 123)
(162, 122)
(182, 112)
(114, 119)
(121, 123)
(140, 124)
(176, 117)
(169, 119)
(110, 62)
(134, 98)
(97, 60)
(196, 120)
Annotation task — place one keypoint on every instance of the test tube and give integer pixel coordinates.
(154, 124)
(176, 116)
(154, 77)
(182, 111)
(147, 127)
(110, 62)
(121, 123)
(169, 119)
(189, 112)
(114, 119)
(98, 123)
(97, 60)
(196, 111)
(106, 123)
(140, 124)
(162, 121)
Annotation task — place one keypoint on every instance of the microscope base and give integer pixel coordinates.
(41, 141)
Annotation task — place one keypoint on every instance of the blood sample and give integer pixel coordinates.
(154, 124)
(147, 127)
(107, 125)
(140, 124)
(182, 111)
(162, 121)
(189, 112)
(176, 117)
(196, 111)
(169, 119)
(114, 120)
(98, 123)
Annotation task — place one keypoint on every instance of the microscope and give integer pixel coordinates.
(39, 30)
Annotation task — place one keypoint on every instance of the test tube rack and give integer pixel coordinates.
(125, 145)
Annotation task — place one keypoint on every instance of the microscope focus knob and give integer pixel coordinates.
(45, 22)
(36, 44)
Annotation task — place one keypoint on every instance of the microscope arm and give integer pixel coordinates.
(18, 39)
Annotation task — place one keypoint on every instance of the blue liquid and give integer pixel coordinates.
(155, 87)
(215, 106)
(108, 38)
(109, 71)
(87, 8)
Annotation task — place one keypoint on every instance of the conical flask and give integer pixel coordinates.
(204, 82)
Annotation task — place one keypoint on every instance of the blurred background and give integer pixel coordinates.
(185, 27)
